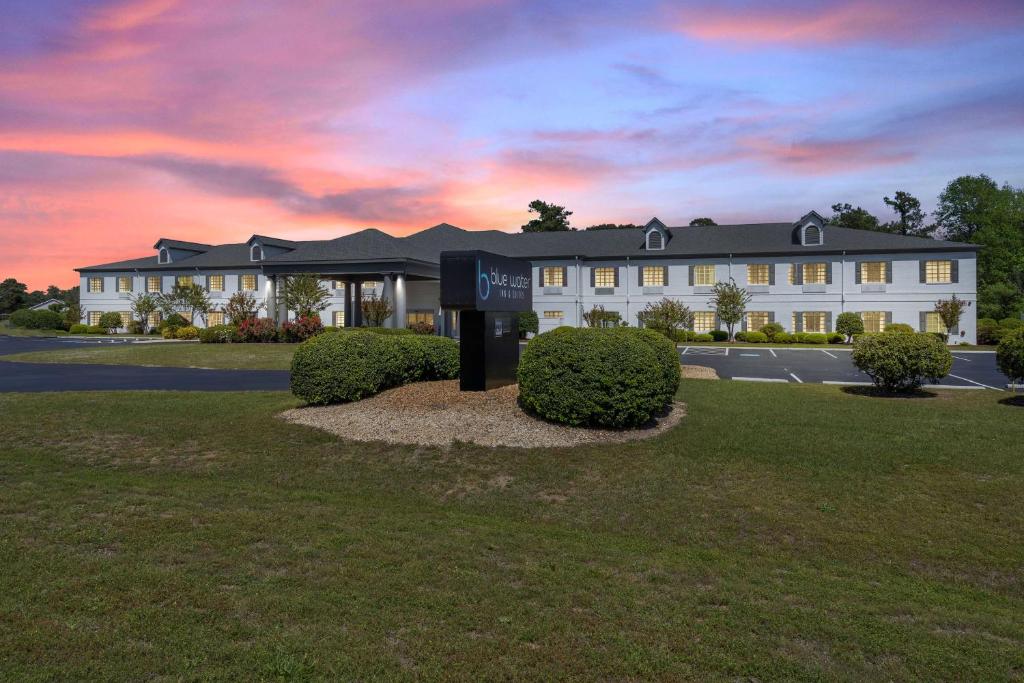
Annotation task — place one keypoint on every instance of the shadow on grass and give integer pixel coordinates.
(875, 392)
(1016, 401)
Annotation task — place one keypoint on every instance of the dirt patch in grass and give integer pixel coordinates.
(438, 414)
(697, 372)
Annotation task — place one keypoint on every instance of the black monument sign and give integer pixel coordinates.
(487, 290)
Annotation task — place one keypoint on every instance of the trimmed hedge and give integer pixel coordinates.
(900, 328)
(901, 362)
(339, 368)
(95, 329)
(219, 334)
(772, 329)
(701, 337)
(719, 335)
(79, 328)
(1010, 355)
(187, 332)
(782, 338)
(37, 320)
(598, 377)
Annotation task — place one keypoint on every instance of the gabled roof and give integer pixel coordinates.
(273, 242)
(179, 244)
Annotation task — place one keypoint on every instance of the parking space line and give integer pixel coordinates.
(968, 360)
(827, 353)
(984, 386)
(761, 379)
(950, 386)
(847, 384)
(774, 355)
(798, 380)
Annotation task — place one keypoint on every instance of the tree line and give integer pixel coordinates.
(15, 295)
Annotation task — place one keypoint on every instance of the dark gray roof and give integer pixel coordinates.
(753, 239)
(273, 241)
(179, 244)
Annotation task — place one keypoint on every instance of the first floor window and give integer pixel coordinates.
(124, 283)
(554, 315)
(874, 321)
(872, 272)
(415, 317)
(552, 276)
(187, 315)
(247, 283)
(604, 277)
(153, 284)
(95, 285)
(758, 274)
(154, 319)
(126, 318)
(933, 323)
(703, 321)
(337, 284)
(653, 276)
(814, 273)
(185, 280)
(216, 283)
(756, 320)
(215, 318)
(339, 318)
(813, 321)
(94, 317)
(938, 272)
(704, 275)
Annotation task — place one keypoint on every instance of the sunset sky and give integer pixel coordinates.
(122, 122)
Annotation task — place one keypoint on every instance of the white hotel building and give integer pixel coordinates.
(801, 275)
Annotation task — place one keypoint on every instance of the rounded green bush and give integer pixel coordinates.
(426, 359)
(772, 329)
(1010, 355)
(810, 338)
(756, 337)
(79, 328)
(849, 324)
(1011, 323)
(901, 362)
(836, 338)
(740, 336)
(598, 377)
(187, 332)
(338, 368)
(782, 338)
(702, 337)
(219, 334)
(899, 328)
(989, 331)
(719, 335)
(37, 320)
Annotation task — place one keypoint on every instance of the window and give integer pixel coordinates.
(184, 280)
(938, 272)
(812, 235)
(339, 318)
(655, 240)
(153, 284)
(604, 277)
(933, 323)
(247, 283)
(338, 284)
(215, 318)
(703, 321)
(653, 276)
(95, 285)
(872, 272)
(552, 276)
(154, 319)
(813, 321)
(874, 321)
(814, 273)
(704, 275)
(124, 283)
(126, 318)
(94, 317)
(757, 319)
(758, 274)
(216, 283)
(187, 315)
(553, 315)
(414, 317)
(164, 257)
(256, 253)
(792, 274)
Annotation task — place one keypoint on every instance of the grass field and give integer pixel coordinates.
(179, 355)
(780, 532)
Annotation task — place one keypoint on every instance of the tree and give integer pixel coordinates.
(305, 295)
(968, 205)
(1010, 355)
(845, 216)
(849, 324)
(911, 221)
(667, 316)
(142, 306)
(528, 323)
(73, 314)
(614, 226)
(550, 218)
(110, 321)
(191, 299)
(730, 302)
(13, 295)
(599, 317)
(240, 307)
(698, 222)
(999, 300)
(949, 311)
(376, 310)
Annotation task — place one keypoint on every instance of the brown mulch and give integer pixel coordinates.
(697, 372)
(437, 413)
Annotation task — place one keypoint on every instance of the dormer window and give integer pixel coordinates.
(655, 240)
(256, 253)
(812, 235)
(655, 235)
(164, 256)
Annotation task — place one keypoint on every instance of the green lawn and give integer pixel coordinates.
(780, 532)
(221, 356)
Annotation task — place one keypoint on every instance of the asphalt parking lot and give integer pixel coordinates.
(971, 369)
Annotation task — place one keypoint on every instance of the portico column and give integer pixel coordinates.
(282, 305)
(271, 301)
(348, 304)
(389, 294)
(399, 316)
(357, 303)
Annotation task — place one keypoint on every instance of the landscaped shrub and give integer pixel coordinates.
(756, 337)
(836, 338)
(849, 324)
(615, 378)
(900, 362)
(426, 358)
(386, 331)
(338, 368)
(740, 336)
(37, 320)
(782, 338)
(96, 329)
(702, 337)
(810, 338)
(170, 324)
(136, 327)
(771, 329)
(219, 334)
(424, 327)
(257, 330)
(1010, 355)
(110, 321)
(528, 323)
(719, 335)
(989, 331)
(79, 328)
(1011, 323)
(302, 329)
(899, 328)
(187, 332)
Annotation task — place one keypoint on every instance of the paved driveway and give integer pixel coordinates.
(975, 369)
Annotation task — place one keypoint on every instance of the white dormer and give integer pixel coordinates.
(655, 235)
(809, 231)
(172, 251)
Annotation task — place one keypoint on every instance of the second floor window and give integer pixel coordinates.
(124, 284)
(95, 285)
(872, 272)
(184, 280)
(653, 276)
(704, 275)
(153, 284)
(604, 277)
(553, 276)
(247, 283)
(216, 283)
(758, 274)
(814, 274)
(554, 315)
(936, 272)
(703, 321)
(215, 318)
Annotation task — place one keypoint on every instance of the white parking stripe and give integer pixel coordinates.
(847, 384)
(799, 381)
(827, 353)
(950, 386)
(774, 355)
(761, 379)
(968, 360)
(973, 382)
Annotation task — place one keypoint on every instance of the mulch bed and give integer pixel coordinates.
(437, 413)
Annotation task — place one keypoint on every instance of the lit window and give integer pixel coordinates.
(933, 323)
(758, 274)
(414, 317)
(756, 320)
(126, 317)
(792, 274)
(339, 318)
(937, 272)
(247, 283)
(554, 315)
(704, 275)
(94, 317)
(604, 277)
(874, 321)
(95, 285)
(153, 284)
(216, 283)
(187, 315)
(124, 283)
(703, 321)
(872, 272)
(653, 276)
(215, 318)
(184, 280)
(814, 273)
(814, 322)
(154, 319)
(337, 284)
(552, 276)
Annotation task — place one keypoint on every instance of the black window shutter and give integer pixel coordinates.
(923, 320)
(828, 273)
(771, 316)
(640, 275)
(798, 274)
(239, 283)
(616, 277)
(540, 276)
(743, 322)
(954, 270)
(828, 321)
(664, 272)
(689, 270)
(565, 276)
(771, 274)
(888, 272)
(922, 270)
(798, 322)
(856, 274)
(592, 274)
(888, 317)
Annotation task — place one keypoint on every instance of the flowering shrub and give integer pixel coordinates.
(303, 328)
(257, 330)
(187, 332)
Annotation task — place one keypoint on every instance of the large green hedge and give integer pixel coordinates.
(37, 320)
(598, 377)
(1010, 355)
(338, 368)
(900, 361)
